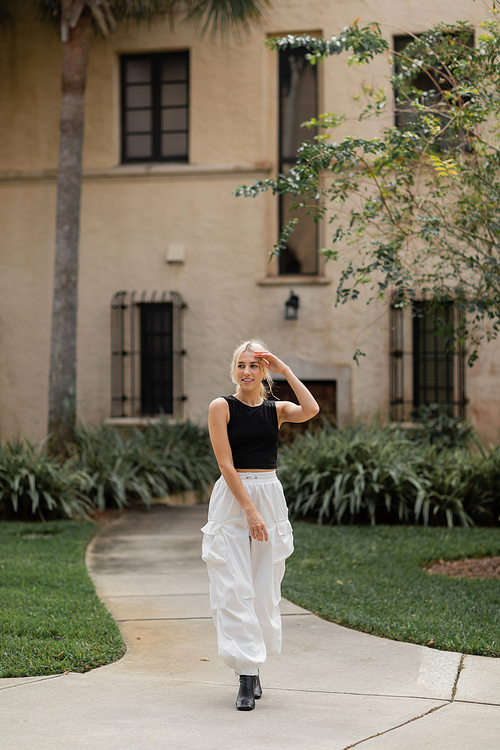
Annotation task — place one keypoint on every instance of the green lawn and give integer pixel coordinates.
(371, 579)
(51, 619)
(368, 578)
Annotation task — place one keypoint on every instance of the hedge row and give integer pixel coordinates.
(368, 474)
(106, 469)
(360, 474)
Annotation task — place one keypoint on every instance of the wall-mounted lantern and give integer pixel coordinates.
(292, 307)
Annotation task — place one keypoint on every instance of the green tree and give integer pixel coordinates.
(77, 20)
(415, 211)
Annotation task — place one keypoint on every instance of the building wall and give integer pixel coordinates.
(131, 214)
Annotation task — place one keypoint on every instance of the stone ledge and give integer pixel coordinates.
(296, 280)
(135, 421)
(140, 171)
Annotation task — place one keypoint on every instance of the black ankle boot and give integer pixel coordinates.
(245, 700)
(257, 689)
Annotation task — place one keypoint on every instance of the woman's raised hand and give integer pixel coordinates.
(271, 361)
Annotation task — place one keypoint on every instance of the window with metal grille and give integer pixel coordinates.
(297, 103)
(155, 107)
(424, 369)
(147, 352)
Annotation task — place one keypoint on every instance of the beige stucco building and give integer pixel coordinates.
(174, 123)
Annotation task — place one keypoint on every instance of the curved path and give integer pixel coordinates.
(331, 688)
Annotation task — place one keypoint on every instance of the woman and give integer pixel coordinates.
(248, 535)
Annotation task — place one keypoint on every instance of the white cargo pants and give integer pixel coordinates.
(245, 575)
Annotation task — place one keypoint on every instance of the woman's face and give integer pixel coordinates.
(249, 371)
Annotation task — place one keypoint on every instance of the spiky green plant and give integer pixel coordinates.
(111, 463)
(447, 476)
(366, 473)
(359, 472)
(162, 460)
(33, 485)
(462, 484)
(436, 426)
(185, 446)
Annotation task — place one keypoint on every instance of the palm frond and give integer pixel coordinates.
(222, 15)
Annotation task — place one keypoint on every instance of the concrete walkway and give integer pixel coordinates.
(330, 689)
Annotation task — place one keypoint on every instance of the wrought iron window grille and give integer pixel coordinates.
(422, 368)
(147, 354)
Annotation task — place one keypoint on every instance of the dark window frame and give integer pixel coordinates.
(287, 160)
(433, 360)
(404, 357)
(130, 372)
(157, 357)
(157, 59)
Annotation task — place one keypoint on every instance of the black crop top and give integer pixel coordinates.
(253, 434)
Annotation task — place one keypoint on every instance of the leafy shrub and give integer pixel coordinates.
(31, 484)
(106, 469)
(447, 480)
(461, 484)
(187, 447)
(481, 483)
(437, 427)
(371, 474)
(161, 460)
(358, 471)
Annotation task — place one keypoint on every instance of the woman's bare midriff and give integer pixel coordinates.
(245, 471)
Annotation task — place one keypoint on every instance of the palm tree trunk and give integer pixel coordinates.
(62, 388)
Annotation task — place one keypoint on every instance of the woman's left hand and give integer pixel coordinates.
(271, 361)
(256, 524)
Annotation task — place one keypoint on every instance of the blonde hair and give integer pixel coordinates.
(253, 345)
